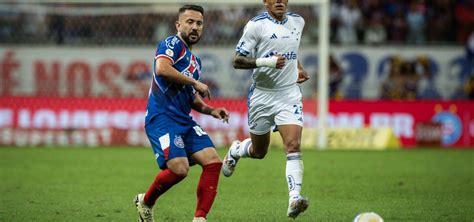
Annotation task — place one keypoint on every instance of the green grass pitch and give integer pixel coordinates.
(84, 184)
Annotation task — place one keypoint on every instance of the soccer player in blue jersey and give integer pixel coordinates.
(269, 45)
(177, 140)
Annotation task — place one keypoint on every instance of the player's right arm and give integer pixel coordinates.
(165, 69)
(243, 62)
(170, 51)
(247, 43)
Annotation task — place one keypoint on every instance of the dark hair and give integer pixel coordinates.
(191, 7)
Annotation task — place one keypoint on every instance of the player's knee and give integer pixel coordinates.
(259, 154)
(215, 159)
(181, 171)
(293, 146)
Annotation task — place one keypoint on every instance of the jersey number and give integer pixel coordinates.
(199, 131)
(298, 109)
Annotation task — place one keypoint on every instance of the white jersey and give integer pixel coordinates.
(265, 36)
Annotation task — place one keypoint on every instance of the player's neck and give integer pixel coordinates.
(278, 18)
(190, 47)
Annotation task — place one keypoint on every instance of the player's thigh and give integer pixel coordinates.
(199, 144)
(167, 143)
(260, 143)
(291, 136)
(206, 156)
(289, 121)
(261, 112)
(290, 107)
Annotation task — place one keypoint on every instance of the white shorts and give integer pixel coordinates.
(270, 108)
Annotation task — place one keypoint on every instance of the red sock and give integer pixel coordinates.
(163, 181)
(207, 188)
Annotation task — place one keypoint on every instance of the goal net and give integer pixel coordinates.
(80, 50)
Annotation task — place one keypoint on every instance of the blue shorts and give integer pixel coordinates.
(170, 139)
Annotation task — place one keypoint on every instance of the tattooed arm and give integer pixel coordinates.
(243, 62)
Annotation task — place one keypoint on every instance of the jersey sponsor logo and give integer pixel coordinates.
(288, 56)
(451, 126)
(193, 66)
(178, 141)
(187, 73)
(170, 42)
(274, 36)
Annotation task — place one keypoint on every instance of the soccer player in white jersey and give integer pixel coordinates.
(269, 45)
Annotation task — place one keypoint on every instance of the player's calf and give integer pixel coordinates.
(207, 189)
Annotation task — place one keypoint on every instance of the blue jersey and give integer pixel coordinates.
(171, 99)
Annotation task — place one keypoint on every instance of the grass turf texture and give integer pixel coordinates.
(80, 184)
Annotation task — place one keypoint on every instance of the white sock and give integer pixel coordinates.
(243, 150)
(294, 173)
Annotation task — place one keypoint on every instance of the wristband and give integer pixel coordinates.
(267, 62)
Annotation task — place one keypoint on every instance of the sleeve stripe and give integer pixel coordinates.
(293, 14)
(242, 51)
(258, 17)
(181, 54)
(164, 56)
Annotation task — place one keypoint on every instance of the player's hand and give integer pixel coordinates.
(221, 113)
(303, 76)
(280, 61)
(202, 89)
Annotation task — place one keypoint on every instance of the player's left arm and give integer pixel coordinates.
(219, 113)
(303, 76)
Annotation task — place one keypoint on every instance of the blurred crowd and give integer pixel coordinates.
(401, 21)
(404, 77)
(352, 22)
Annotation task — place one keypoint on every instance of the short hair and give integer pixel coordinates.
(191, 7)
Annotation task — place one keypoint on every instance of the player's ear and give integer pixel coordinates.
(265, 2)
(177, 24)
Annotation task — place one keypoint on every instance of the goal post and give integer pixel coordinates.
(323, 73)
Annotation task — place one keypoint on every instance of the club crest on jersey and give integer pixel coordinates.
(178, 141)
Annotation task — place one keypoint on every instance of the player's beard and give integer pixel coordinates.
(191, 40)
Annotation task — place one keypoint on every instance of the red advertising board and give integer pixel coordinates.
(456, 118)
(93, 121)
